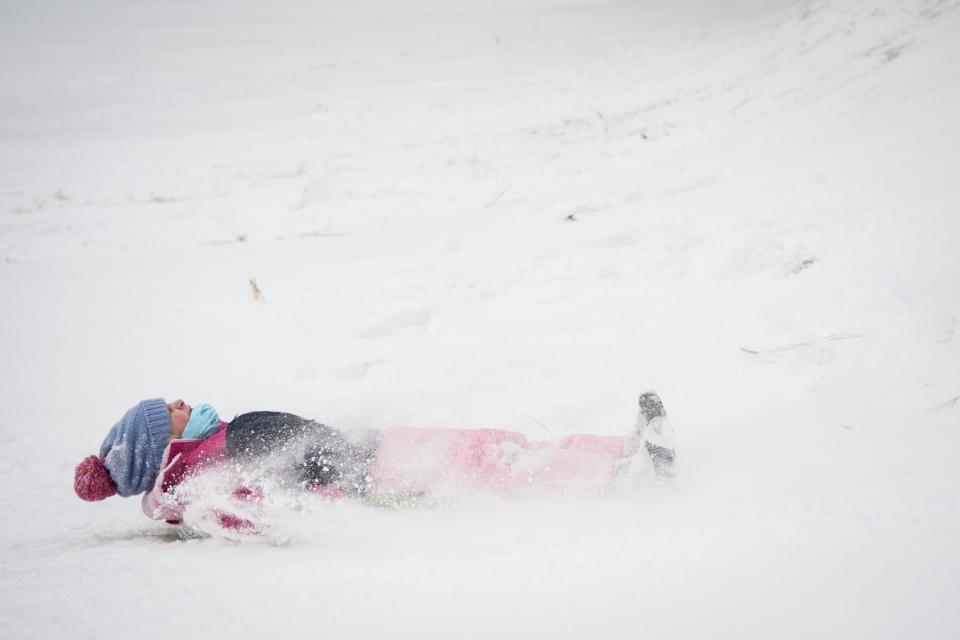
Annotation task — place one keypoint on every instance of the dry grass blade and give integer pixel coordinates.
(255, 290)
(834, 337)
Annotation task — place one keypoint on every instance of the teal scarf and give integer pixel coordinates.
(203, 422)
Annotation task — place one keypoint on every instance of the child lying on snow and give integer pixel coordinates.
(156, 446)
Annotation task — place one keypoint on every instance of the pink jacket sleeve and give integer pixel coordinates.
(180, 458)
(157, 503)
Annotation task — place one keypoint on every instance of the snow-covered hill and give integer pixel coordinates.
(514, 214)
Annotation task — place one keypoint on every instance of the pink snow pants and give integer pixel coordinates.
(416, 461)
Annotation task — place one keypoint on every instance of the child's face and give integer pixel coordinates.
(179, 416)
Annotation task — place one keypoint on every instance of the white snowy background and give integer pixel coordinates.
(507, 213)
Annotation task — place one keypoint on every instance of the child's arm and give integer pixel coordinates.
(158, 503)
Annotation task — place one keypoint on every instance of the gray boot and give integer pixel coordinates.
(656, 433)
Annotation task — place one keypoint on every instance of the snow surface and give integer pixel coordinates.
(492, 213)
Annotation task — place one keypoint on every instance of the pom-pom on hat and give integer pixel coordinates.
(91, 480)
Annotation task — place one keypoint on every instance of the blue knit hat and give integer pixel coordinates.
(133, 449)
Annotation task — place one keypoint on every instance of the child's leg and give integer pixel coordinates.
(416, 461)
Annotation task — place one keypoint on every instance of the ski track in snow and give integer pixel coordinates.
(512, 214)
